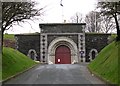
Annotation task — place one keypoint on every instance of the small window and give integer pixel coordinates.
(43, 36)
(81, 36)
(93, 54)
(43, 40)
(81, 39)
(81, 48)
(81, 43)
(81, 56)
(43, 57)
(43, 52)
(43, 44)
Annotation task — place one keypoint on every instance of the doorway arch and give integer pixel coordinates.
(92, 54)
(32, 54)
(60, 41)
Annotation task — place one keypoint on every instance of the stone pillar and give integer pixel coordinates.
(43, 46)
(84, 56)
(81, 45)
(79, 42)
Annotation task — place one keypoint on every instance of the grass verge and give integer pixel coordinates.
(106, 63)
(9, 36)
(14, 62)
(0, 67)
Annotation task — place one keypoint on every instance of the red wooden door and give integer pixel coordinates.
(62, 55)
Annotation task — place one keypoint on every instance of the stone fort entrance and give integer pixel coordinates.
(62, 49)
(61, 43)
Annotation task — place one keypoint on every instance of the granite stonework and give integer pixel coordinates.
(95, 42)
(62, 28)
(28, 42)
(41, 46)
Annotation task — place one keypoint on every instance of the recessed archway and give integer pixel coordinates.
(60, 41)
(32, 54)
(92, 54)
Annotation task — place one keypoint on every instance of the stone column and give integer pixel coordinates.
(84, 55)
(81, 45)
(43, 50)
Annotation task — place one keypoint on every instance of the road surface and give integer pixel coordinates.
(56, 74)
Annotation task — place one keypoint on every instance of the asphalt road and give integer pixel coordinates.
(56, 74)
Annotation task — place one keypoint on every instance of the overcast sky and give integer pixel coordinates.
(55, 13)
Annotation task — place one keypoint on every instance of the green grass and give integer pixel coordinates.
(0, 67)
(9, 36)
(119, 63)
(106, 63)
(14, 62)
(96, 33)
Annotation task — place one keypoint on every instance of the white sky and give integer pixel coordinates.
(54, 13)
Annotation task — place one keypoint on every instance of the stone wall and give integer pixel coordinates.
(86, 43)
(74, 37)
(62, 28)
(27, 42)
(94, 41)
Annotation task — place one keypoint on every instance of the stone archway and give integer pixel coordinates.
(62, 41)
(92, 54)
(32, 54)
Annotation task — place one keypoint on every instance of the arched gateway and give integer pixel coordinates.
(62, 50)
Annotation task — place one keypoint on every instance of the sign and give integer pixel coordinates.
(58, 60)
(81, 52)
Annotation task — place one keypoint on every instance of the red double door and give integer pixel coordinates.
(62, 55)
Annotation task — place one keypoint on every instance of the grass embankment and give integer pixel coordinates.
(106, 63)
(0, 67)
(14, 62)
(9, 40)
(9, 37)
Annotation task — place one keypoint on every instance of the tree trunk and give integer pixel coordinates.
(117, 27)
(2, 32)
(2, 36)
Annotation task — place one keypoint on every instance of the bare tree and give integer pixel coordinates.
(106, 24)
(77, 18)
(111, 9)
(97, 23)
(16, 12)
(92, 20)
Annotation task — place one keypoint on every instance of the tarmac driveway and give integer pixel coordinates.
(56, 74)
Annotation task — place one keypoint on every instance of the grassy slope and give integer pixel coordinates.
(106, 63)
(9, 36)
(0, 67)
(14, 62)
